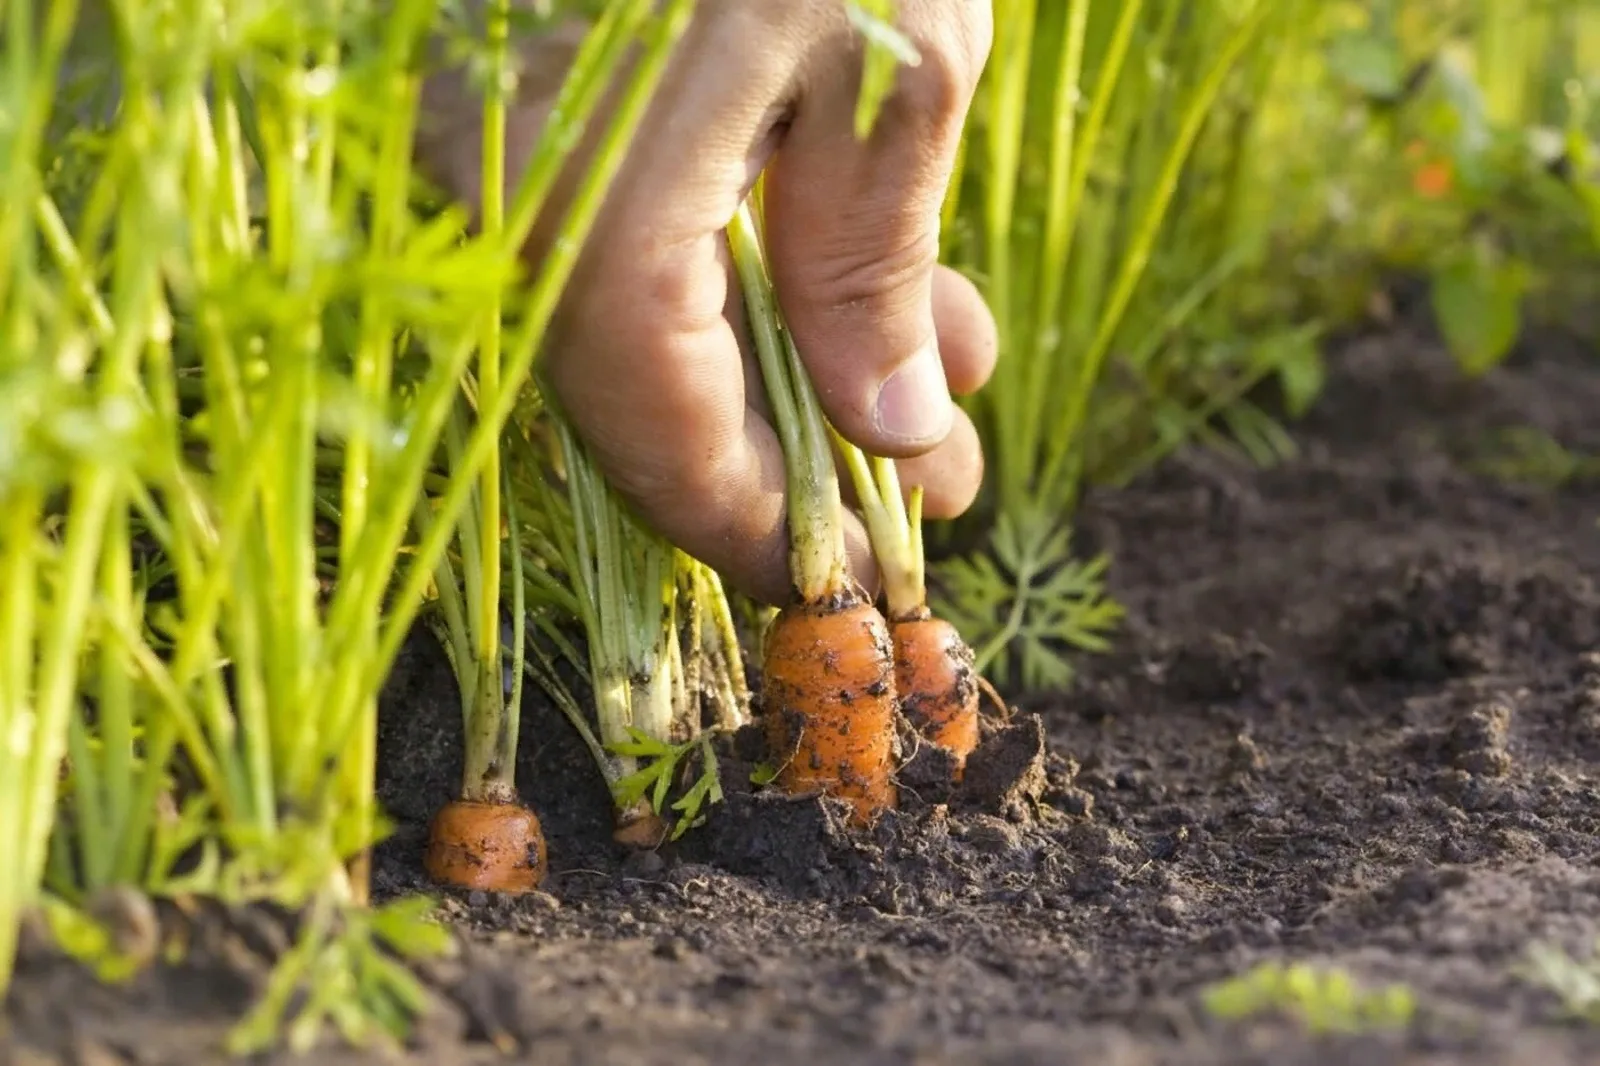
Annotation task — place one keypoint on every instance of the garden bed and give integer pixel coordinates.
(1354, 718)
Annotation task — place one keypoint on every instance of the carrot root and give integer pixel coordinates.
(937, 685)
(641, 828)
(829, 696)
(492, 847)
(1003, 709)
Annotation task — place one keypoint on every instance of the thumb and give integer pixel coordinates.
(853, 234)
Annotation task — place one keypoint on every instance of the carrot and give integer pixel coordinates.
(491, 845)
(828, 684)
(640, 827)
(829, 701)
(484, 839)
(933, 671)
(935, 676)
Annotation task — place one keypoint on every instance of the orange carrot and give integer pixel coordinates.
(640, 827)
(934, 671)
(828, 686)
(485, 838)
(486, 845)
(829, 703)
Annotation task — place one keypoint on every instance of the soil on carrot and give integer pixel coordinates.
(1353, 719)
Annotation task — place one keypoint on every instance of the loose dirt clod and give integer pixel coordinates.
(1006, 773)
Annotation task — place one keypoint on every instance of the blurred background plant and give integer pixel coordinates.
(1170, 204)
(265, 401)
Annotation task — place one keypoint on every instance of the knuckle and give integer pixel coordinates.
(887, 273)
(954, 38)
(980, 33)
(936, 91)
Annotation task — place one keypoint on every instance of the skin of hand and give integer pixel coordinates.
(649, 354)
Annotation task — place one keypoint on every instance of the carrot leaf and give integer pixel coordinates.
(1027, 603)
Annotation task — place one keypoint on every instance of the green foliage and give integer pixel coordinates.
(233, 351)
(1167, 205)
(1368, 61)
(1574, 982)
(91, 941)
(1464, 161)
(1582, 157)
(1026, 602)
(1477, 299)
(663, 763)
(1527, 455)
(1103, 206)
(1322, 1000)
(347, 970)
(1065, 207)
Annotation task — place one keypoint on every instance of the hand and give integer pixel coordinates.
(649, 352)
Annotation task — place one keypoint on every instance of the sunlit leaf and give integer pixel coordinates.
(1477, 300)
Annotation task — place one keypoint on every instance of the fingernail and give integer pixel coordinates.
(913, 405)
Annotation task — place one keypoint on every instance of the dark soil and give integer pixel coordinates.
(1354, 719)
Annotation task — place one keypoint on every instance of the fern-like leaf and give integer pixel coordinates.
(1026, 604)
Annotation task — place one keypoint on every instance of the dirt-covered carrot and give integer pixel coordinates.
(934, 671)
(492, 845)
(828, 686)
(486, 838)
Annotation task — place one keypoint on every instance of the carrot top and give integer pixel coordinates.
(894, 526)
(817, 560)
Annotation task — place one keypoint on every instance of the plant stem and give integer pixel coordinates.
(895, 530)
(1062, 464)
(489, 355)
(670, 24)
(1005, 116)
(722, 639)
(817, 560)
(597, 564)
(374, 372)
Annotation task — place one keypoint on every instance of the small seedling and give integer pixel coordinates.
(90, 941)
(1027, 603)
(1322, 1000)
(1575, 982)
(1527, 455)
(661, 762)
(348, 970)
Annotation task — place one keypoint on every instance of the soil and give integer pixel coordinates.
(1353, 719)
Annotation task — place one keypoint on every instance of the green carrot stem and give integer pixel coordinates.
(894, 529)
(489, 355)
(817, 559)
(723, 639)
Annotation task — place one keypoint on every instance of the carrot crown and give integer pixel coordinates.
(895, 529)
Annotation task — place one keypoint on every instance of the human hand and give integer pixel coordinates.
(649, 353)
